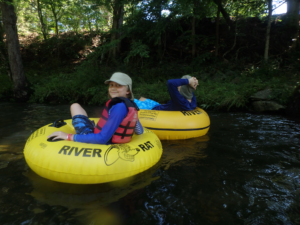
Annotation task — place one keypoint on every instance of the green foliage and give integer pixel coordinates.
(71, 88)
(219, 95)
(221, 86)
(202, 41)
(235, 91)
(98, 55)
(143, 22)
(157, 91)
(137, 49)
(68, 15)
(202, 59)
(148, 37)
(56, 51)
(200, 9)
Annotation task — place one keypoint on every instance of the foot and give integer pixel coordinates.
(142, 99)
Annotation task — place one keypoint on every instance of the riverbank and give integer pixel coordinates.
(221, 87)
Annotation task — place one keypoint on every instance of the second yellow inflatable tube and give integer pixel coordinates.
(174, 125)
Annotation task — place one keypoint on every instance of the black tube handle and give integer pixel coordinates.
(51, 139)
(58, 123)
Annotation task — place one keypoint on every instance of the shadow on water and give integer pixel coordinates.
(245, 171)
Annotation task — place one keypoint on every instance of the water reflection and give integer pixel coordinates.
(245, 171)
(176, 151)
(75, 196)
(88, 200)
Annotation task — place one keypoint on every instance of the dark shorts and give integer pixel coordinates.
(82, 124)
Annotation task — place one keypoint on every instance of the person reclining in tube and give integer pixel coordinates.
(119, 119)
(182, 96)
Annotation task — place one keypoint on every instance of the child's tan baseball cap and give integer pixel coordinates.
(123, 79)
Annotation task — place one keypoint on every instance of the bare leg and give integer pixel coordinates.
(76, 109)
(142, 99)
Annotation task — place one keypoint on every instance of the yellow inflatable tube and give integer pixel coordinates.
(82, 163)
(174, 125)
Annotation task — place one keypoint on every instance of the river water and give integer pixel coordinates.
(244, 171)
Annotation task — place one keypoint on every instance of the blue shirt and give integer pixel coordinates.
(116, 115)
(177, 102)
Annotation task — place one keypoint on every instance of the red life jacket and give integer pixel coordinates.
(125, 130)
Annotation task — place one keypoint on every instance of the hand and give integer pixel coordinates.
(59, 135)
(193, 82)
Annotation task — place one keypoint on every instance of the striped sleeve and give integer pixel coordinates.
(138, 128)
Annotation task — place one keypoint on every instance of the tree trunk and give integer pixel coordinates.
(1, 32)
(90, 24)
(14, 54)
(1, 41)
(55, 18)
(56, 24)
(193, 36)
(217, 32)
(194, 30)
(43, 25)
(3, 54)
(266, 56)
(120, 25)
(97, 27)
(114, 33)
(224, 13)
(293, 20)
(293, 13)
(117, 23)
(158, 42)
